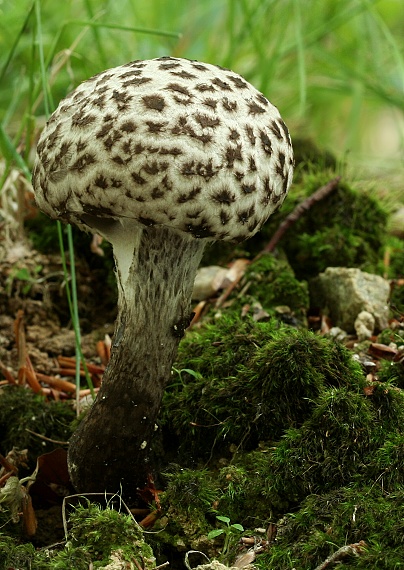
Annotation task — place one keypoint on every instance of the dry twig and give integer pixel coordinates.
(355, 549)
(300, 209)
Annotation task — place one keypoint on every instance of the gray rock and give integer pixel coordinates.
(343, 293)
(364, 325)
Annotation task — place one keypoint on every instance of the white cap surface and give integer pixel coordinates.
(167, 141)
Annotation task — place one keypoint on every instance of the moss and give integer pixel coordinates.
(189, 490)
(221, 346)
(271, 282)
(389, 335)
(392, 372)
(347, 229)
(95, 535)
(387, 466)
(15, 555)
(252, 383)
(327, 452)
(395, 255)
(388, 402)
(49, 418)
(326, 522)
(397, 300)
(309, 157)
(104, 531)
(188, 506)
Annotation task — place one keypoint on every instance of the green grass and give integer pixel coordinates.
(335, 69)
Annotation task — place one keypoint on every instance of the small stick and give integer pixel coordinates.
(87, 392)
(300, 209)
(343, 552)
(58, 383)
(29, 377)
(56, 441)
(4, 462)
(7, 375)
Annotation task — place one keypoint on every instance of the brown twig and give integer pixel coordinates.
(300, 209)
(7, 375)
(58, 383)
(343, 552)
(56, 441)
(4, 462)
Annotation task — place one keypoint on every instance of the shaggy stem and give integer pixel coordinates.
(111, 448)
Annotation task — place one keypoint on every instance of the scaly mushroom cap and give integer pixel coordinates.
(167, 141)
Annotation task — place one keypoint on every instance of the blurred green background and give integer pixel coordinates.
(335, 68)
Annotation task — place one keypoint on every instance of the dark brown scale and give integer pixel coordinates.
(234, 135)
(136, 81)
(177, 88)
(204, 87)
(137, 178)
(276, 130)
(183, 198)
(229, 105)
(183, 74)
(266, 142)
(83, 162)
(155, 102)
(155, 127)
(255, 109)
(238, 82)
(212, 103)
(224, 196)
(224, 217)
(206, 121)
(248, 188)
(233, 153)
(222, 84)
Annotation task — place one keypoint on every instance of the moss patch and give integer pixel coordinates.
(96, 537)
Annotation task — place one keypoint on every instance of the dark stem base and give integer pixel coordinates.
(112, 447)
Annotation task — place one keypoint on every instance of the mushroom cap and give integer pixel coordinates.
(167, 141)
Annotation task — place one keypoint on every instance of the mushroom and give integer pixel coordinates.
(159, 157)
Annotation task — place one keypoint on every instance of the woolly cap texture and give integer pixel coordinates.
(167, 142)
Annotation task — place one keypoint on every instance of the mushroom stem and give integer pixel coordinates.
(110, 450)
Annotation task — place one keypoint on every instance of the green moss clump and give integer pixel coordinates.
(95, 537)
(22, 410)
(345, 439)
(392, 372)
(309, 157)
(190, 490)
(105, 531)
(346, 229)
(15, 555)
(272, 283)
(188, 506)
(326, 522)
(387, 466)
(397, 301)
(395, 267)
(219, 348)
(327, 452)
(269, 388)
(388, 402)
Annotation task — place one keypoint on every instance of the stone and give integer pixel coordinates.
(364, 325)
(343, 293)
